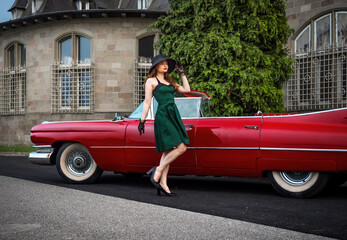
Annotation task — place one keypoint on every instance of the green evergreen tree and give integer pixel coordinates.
(231, 49)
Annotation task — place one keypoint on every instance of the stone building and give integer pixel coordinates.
(319, 47)
(71, 60)
(84, 59)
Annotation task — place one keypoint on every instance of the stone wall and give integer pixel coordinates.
(301, 12)
(114, 49)
(15, 130)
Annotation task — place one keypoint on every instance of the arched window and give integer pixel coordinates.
(73, 75)
(319, 80)
(13, 80)
(303, 41)
(146, 52)
(15, 55)
(326, 34)
(66, 51)
(146, 49)
(83, 49)
(341, 28)
(74, 49)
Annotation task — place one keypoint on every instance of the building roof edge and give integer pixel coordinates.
(77, 14)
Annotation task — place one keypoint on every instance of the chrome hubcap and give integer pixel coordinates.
(79, 163)
(296, 178)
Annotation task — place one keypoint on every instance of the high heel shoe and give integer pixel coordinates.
(161, 189)
(152, 172)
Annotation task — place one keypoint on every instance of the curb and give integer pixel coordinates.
(14, 154)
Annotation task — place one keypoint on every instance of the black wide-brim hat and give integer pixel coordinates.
(159, 58)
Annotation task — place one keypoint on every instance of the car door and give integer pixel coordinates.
(140, 149)
(228, 143)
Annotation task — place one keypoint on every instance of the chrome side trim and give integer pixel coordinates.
(210, 148)
(304, 149)
(48, 122)
(42, 146)
(310, 113)
(228, 148)
(118, 147)
(107, 147)
(139, 147)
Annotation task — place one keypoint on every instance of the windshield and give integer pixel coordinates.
(137, 113)
(188, 107)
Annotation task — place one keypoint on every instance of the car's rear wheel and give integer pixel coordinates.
(298, 184)
(76, 165)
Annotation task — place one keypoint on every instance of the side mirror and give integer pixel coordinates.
(117, 117)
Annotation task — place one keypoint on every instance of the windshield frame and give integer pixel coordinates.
(137, 113)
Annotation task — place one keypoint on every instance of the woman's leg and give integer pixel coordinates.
(168, 158)
(163, 178)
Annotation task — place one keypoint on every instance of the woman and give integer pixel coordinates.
(170, 135)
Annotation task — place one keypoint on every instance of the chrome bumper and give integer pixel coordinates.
(42, 156)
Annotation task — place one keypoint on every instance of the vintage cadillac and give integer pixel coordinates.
(301, 154)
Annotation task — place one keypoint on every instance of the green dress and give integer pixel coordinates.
(169, 130)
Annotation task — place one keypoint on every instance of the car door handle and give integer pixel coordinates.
(251, 127)
(189, 126)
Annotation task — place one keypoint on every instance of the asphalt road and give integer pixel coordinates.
(244, 199)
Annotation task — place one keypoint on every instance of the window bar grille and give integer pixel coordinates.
(319, 81)
(13, 91)
(142, 67)
(72, 88)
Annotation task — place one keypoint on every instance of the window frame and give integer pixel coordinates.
(73, 74)
(309, 41)
(143, 34)
(315, 31)
(336, 29)
(17, 55)
(13, 101)
(319, 79)
(75, 41)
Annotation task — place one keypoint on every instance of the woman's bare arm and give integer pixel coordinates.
(185, 88)
(148, 99)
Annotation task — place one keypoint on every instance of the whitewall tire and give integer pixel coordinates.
(76, 165)
(298, 184)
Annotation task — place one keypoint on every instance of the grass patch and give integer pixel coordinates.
(18, 148)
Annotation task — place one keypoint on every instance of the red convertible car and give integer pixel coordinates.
(301, 154)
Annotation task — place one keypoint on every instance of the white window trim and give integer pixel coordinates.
(315, 30)
(336, 37)
(309, 40)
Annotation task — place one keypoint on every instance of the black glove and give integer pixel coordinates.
(179, 68)
(141, 126)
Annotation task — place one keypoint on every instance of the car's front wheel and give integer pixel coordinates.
(76, 165)
(298, 184)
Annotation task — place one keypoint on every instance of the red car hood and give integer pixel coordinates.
(78, 126)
